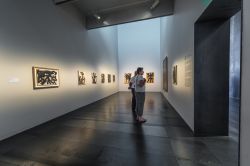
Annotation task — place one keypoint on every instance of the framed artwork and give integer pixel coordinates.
(113, 78)
(102, 78)
(45, 78)
(188, 71)
(109, 78)
(175, 75)
(165, 74)
(94, 78)
(127, 78)
(150, 77)
(81, 78)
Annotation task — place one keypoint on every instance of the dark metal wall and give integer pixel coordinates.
(235, 52)
(212, 68)
(234, 83)
(211, 82)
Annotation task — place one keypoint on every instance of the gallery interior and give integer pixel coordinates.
(65, 72)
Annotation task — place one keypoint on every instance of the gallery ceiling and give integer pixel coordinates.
(223, 9)
(100, 13)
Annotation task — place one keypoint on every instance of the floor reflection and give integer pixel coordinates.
(106, 133)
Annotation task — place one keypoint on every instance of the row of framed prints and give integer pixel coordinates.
(49, 78)
(150, 78)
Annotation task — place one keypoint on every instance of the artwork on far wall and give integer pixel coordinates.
(165, 74)
(109, 78)
(175, 75)
(113, 78)
(188, 71)
(102, 78)
(94, 78)
(45, 78)
(81, 78)
(150, 77)
(127, 77)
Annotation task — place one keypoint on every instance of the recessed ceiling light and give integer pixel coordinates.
(97, 16)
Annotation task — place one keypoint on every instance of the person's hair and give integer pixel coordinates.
(135, 73)
(139, 69)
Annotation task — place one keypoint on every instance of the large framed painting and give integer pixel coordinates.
(103, 78)
(94, 78)
(175, 81)
(45, 78)
(81, 78)
(150, 77)
(165, 74)
(127, 78)
(113, 78)
(109, 78)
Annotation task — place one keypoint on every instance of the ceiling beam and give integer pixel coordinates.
(59, 2)
(122, 6)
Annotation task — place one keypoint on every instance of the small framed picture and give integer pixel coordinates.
(150, 78)
(94, 78)
(175, 75)
(81, 78)
(103, 78)
(127, 78)
(45, 78)
(109, 78)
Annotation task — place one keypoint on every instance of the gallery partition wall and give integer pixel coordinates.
(212, 78)
(212, 62)
(216, 64)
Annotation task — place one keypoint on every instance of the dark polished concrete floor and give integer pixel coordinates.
(106, 134)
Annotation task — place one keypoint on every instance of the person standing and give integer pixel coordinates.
(140, 94)
(132, 87)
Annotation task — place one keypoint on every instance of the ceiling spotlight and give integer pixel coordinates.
(155, 4)
(97, 16)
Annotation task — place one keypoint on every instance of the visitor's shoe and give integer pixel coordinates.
(142, 121)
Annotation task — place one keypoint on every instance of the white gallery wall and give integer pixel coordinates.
(245, 89)
(139, 46)
(38, 33)
(177, 42)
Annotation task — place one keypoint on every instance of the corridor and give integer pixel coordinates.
(105, 134)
